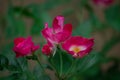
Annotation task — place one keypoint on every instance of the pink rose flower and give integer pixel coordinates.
(59, 32)
(103, 2)
(78, 46)
(23, 47)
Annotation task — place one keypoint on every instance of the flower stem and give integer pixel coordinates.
(61, 64)
(53, 66)
(40, 64)
(18, 63)
(54, 52)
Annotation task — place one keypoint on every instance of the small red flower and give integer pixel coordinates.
(103, 2)
(47, 49)
(59, 32)
(78, 46)
(23, 47)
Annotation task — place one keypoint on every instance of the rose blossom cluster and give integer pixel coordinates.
(58, 34)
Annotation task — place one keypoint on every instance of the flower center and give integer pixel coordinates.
(77, 49)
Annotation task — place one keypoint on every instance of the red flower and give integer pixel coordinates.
(78, 46)
(59, 32)
(47, 48)
(23, 47)
(103, 2)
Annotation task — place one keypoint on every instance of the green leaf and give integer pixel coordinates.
(61, 62)
(38, 73)
(88, 61)
(15, 76)
(48, 66)
(3, 62)
(112, 16)
(67, 61)
(10, 77)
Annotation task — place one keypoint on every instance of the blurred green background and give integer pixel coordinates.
(27, 18)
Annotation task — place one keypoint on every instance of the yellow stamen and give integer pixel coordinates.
(75, 49)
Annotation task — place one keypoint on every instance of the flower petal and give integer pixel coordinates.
(18, 40)
(58, 23)
(89, 42)
(66, 32)
(83, 53)
(78, 46)
(48, 33)
(72, 41)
